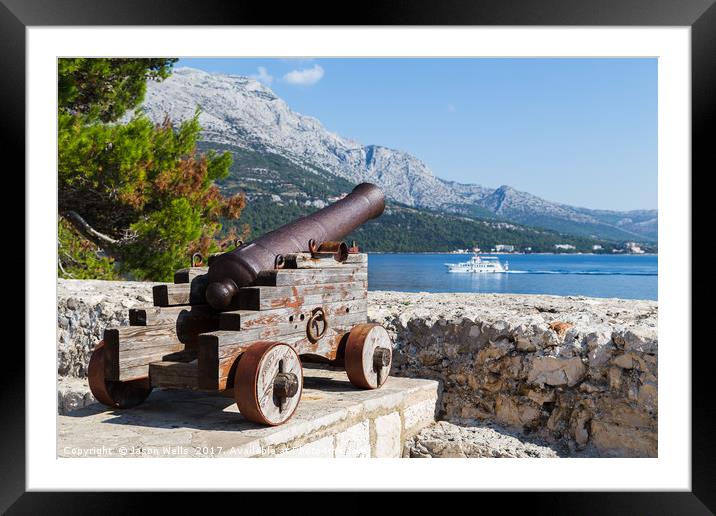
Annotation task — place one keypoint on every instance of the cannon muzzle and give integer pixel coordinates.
(240, 267)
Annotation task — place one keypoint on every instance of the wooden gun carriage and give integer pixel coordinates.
(309, 307)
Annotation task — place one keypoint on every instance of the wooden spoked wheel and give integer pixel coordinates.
(269, 382)
(114, 393)
(368, 355)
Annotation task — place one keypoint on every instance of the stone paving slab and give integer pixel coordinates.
(334, 419)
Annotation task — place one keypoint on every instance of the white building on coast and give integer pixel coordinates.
(564, 247)
(504, 248)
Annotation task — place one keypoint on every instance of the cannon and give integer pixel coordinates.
(240, 267)
(246, 324)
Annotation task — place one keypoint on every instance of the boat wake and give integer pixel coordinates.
(585, 273)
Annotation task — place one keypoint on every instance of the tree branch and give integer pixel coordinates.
(59, 264)
(88, 231)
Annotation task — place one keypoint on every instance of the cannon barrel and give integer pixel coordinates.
(240, 267)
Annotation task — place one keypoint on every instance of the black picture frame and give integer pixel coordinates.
(700, 15)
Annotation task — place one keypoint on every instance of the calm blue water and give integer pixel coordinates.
(624, 276)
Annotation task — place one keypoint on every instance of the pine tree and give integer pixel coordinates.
(137, 195)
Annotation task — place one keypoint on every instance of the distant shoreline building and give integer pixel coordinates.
(475, 250)
(504, 248)
(566, 247)
(633, 248)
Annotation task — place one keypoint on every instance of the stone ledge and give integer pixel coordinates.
(334, 419)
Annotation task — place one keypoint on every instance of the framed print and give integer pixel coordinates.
(454, 232)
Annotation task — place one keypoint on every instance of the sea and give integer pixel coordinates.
(593, 275)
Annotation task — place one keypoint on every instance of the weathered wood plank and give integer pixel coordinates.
(181, 294)
(361, 258)
(316, 300)
(186, 355)
(337, 316)
(327, 348)
(137, 337)
(174, 375)
(130, 349)
(267, 297)
(294, 277)
(248, 319)
(307, 261)
(218, 351)
(135, 373)
(209, 376)
(188, 274)
(186, 319)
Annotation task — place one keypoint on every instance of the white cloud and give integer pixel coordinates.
(263, 76)
(305, 77)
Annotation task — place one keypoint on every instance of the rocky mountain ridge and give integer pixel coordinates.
(241, 112)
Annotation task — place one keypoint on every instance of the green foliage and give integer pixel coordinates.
(168, 233)
(79, 258)
(407, 229)
(404, 229)
(104, 89)
(144, 186)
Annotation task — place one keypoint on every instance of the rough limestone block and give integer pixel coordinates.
(641, 340)
(556, 371)
(648, 396)
(477, 440)
(354, 442)
(418, 415)
(512, 412)
(72, 394)
(387, 436)
(623, 441)
(320, 448)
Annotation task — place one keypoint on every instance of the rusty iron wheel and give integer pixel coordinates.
(269, 383)
(368, 355)
(114, 393)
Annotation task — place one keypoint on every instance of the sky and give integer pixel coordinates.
(578, 131)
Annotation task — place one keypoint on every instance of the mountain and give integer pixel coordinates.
(529, 209)
(280, 191)
(249, 119)
(641, 222)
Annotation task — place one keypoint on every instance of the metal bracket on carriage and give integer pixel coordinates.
(197, 260)
(337, 250)
(314, 330)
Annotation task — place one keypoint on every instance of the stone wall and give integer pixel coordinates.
(84, 309)
(580, 371)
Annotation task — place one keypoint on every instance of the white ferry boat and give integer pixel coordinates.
(479, 264)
